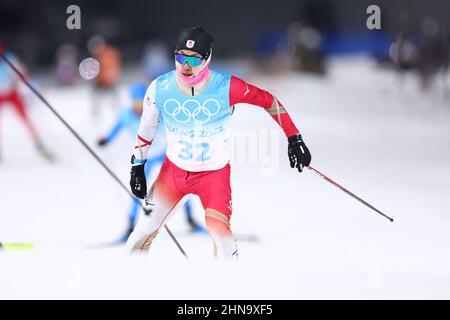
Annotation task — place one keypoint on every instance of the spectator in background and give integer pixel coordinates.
(105, 85)
(305, 47)
(155, 60)
(432, 51)
(66, 65)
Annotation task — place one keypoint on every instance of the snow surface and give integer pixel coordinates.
(380, 136)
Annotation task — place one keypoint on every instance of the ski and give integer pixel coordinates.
(6, 246)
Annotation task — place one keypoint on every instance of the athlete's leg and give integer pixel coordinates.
(19, 106)
(135, 205)
(164, 196)
(194, 225)
(188, 210)
(215, 194)
(225, 246)
(132, 218)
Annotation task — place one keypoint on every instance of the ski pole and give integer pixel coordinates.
(77, 136)
(349, 193)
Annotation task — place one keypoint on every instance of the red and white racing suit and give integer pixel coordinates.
(178, 178)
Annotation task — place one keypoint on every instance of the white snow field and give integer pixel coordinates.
(381, 137)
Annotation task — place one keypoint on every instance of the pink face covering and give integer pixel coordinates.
(196, 78)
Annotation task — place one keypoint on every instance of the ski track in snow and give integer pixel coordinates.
(383, 139)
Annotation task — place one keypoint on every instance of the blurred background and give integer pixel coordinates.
(298, 35)
(248, 29)
(373, 106)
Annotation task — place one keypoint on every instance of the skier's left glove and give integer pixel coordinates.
(102, 142)
(298, 152)
(138, 182)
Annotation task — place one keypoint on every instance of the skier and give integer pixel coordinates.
(129, 119)
(9, 93)
(196, 104)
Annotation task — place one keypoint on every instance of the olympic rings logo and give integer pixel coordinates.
(182, 113)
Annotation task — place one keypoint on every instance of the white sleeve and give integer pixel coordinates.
(148, 125)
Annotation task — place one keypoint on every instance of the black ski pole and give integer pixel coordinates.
(112, 174)
(349, 193)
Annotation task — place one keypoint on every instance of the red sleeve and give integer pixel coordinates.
(243, 92)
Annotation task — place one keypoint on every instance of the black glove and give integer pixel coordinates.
(102, 142)
(299, 155)
(137, 182)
